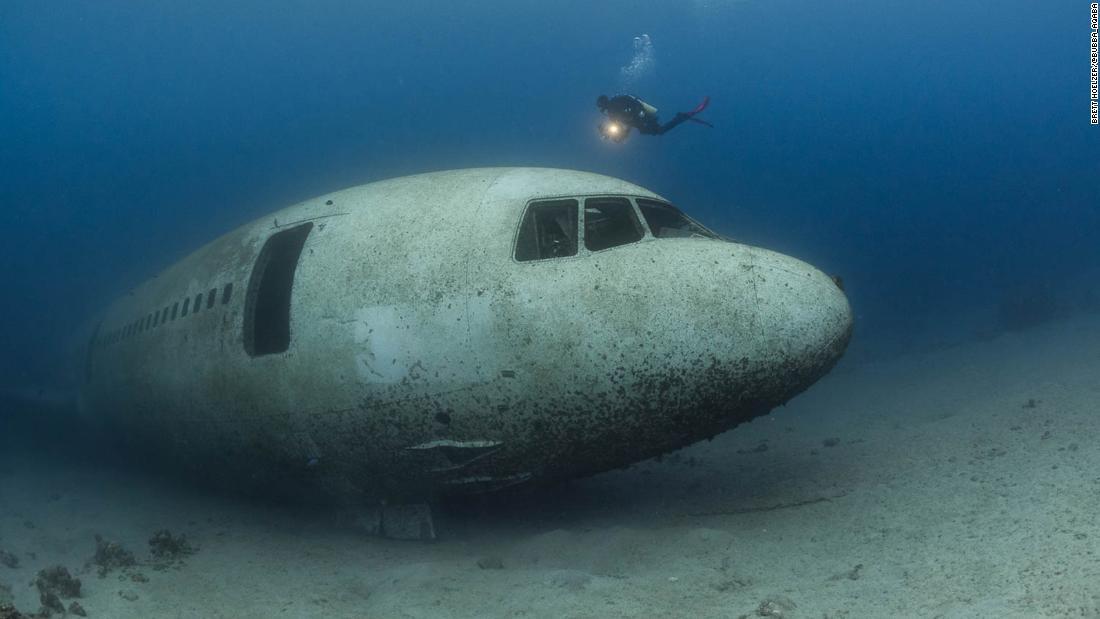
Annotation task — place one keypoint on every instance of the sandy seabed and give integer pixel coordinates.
(958, 483)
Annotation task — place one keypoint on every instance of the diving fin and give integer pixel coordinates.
(699, 108)
(702, 106)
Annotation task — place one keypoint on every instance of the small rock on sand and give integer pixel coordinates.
(776, 606)
(57, 579)
(164, 545)
(110, 556)
(490, 563)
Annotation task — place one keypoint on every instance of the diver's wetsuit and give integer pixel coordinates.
(629, 110)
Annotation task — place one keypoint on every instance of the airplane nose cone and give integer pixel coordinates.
(802, 316)
(744, 330)
(682, 339)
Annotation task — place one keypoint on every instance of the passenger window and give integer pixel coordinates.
(227, 292)
(175, 309)
(609, 222)
(186, 303)
(211, 297)
(197, 305)
(549, 230)
(666, 221)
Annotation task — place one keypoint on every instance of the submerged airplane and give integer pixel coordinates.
(457, 332)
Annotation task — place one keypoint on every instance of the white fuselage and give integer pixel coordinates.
(384, 341)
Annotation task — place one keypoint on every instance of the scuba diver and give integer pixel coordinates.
(627, 111)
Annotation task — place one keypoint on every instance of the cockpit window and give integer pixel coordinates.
(549, 230)
(667, 222)
(609, 222)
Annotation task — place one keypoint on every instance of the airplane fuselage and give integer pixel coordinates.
(458, 332)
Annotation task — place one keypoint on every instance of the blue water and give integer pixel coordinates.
(937, 155)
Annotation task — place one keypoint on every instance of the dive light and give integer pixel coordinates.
(613, 131)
